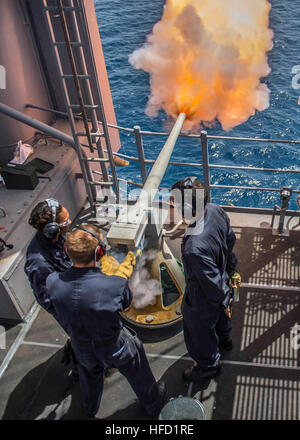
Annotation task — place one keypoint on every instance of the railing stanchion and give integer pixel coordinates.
(205, 162)
(140, 150)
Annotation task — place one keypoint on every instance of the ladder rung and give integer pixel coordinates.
(85, 106)
(72, 43)
(96, 159)
(66, 76)
(83, 134)
(65, 8)
(101, 183)
(98, 134)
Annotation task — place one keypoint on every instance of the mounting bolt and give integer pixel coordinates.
(149, 318)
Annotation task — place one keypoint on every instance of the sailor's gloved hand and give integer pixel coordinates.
(109, 265)
(126, 267)
(228, 310)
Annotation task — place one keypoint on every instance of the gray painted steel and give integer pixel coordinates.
(24, 77)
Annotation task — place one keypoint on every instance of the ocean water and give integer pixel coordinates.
(124, 27)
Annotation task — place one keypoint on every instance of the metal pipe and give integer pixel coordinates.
(45, 109)
(197, 136)
(159, 168)
(192, 136)
(166, 232)
(250, 188)
(140, 150)
(285, 195)
(132, 224)
(270, 287)
(277, 141)
(281, 220)
(53, 132)
(243, 168)
(276, 207)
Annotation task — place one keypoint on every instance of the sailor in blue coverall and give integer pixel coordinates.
(87, 303)
(209, 262)
(45, 253)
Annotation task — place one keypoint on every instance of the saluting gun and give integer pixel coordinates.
(143, 220)
(140, 226)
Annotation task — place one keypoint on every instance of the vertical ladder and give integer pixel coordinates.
(73, 23)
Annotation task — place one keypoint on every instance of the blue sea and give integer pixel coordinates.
(124, 27)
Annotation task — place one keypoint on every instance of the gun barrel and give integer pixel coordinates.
(159, 168)
(130, 227)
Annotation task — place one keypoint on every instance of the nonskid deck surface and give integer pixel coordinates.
(260, 376)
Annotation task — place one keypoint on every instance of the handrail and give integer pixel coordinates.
(206, 165)
(250, 188)
(154, 133)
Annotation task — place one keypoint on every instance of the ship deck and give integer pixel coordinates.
(260, 376)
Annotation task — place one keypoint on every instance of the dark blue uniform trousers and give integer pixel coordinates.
(203, 326)
(128, 356)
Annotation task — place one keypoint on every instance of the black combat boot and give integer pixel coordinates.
(198, 374)
(226, 344)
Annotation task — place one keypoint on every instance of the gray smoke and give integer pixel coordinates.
(144, 288)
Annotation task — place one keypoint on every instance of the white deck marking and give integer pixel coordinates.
(184, 358)
(42, 344)
(18, 341)
(246, 364)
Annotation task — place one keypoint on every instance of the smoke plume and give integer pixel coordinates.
(207, 59)
(144, 288)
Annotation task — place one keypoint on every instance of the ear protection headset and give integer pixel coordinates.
(100, 250)
(52, 229)
(187, 183)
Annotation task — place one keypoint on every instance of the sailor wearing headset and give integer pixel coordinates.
(209, 263)
(86, 303)
(45, 253)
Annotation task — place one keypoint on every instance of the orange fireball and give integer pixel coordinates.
(207, 59)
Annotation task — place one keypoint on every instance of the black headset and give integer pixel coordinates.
(186, 183)
(100, 250)
(182, 185)
(51, 229)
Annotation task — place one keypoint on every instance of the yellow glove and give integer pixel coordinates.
(109, 265)
(126, 267)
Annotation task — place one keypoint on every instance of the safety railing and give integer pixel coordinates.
(206, 166)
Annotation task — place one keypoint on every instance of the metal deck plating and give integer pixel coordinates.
(260, 377)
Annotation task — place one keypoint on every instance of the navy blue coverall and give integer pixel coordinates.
(86, 304)
(208, 262)
(42, 258)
